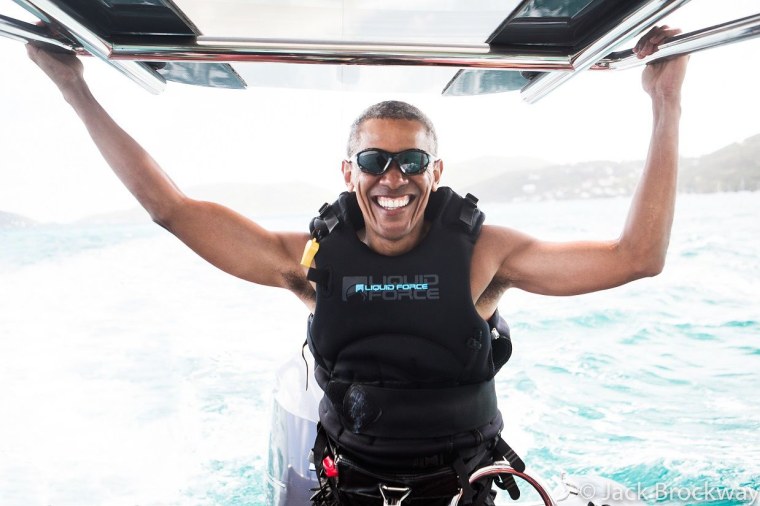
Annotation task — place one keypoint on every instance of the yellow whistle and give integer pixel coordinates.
(309, 251)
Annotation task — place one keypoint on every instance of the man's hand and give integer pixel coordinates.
(662, 79)
(64, 69)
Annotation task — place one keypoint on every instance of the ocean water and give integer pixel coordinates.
(132, 373)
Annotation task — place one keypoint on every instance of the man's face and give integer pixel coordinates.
(393, 204)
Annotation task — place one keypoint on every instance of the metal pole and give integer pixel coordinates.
(686, 43)
(633, 24)
(25, 32)
(95, 45)
(207, 49)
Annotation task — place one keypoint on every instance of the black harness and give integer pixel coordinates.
(405, 361)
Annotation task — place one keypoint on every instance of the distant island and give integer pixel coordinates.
(8, 220)
(498, 179)
(730, 169)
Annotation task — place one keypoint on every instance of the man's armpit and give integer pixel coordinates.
(297, 283)
(493, 292)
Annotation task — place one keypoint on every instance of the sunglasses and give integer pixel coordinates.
(377, 161)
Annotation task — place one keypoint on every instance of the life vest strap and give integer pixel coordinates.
(469, 214)
(319, 276)
(321, 226)
(501, 344)
(356, 478)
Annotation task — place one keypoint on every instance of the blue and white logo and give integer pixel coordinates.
(416, 287)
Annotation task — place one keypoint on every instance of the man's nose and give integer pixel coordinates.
(393, 177)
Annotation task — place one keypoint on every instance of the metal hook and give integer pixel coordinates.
(403, 493)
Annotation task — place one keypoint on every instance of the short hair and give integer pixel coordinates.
(391, 109)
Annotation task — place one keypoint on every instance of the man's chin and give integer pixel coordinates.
(394, 232)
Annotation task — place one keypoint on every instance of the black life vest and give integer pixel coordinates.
(404, 359)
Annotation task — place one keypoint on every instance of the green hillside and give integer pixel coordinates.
(732, 168)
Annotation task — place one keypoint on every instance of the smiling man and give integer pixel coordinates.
(403, 280)
(393, 202)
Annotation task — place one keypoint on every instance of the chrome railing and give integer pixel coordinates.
(687, 43)
(139, 72)
(503, 468)
(632, 25)
(557, 69)
(234, 50)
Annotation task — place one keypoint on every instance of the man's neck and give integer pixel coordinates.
(390, 247)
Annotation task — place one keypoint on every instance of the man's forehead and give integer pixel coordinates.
(393, 134)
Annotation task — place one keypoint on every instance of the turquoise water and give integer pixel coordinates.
(131, 373)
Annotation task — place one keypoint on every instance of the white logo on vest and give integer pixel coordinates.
(392, 288)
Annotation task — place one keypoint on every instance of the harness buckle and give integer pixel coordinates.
(393, 496)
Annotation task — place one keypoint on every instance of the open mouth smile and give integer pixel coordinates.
(391, 203)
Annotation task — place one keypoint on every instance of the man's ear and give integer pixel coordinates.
(346, 168)
(437, 172)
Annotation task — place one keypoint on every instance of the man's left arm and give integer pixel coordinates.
(580, 267)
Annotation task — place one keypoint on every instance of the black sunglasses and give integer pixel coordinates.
(377, 161)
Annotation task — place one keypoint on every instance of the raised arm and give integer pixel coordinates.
(226, 239)
(579, 267)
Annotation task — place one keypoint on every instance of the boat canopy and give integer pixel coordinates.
(455, 48)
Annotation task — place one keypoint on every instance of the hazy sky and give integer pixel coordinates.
(50, 171)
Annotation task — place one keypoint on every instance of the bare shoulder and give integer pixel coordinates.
(294, 241)
(488, 280)
(496, 244)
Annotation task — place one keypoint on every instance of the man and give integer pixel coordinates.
(378, 363)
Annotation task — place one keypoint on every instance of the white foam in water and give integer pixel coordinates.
(133, 373)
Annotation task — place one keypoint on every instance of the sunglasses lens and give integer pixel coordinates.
(376, 161)
(412, 161)
(373, 161)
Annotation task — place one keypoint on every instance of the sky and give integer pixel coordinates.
(50, 171)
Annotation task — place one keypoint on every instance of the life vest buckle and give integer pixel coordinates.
(393, 496)
(330, 467)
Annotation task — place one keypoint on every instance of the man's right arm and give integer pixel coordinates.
(223, 237)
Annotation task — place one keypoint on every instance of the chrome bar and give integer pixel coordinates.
(501, 468)
(207, 49)
(687, 43)
(95, 45)
(26, 32)
(646, 16)
(34, 11)
(129, 58)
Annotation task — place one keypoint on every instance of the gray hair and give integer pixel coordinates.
(391, 109)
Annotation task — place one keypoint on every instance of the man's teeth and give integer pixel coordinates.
(389, 203)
